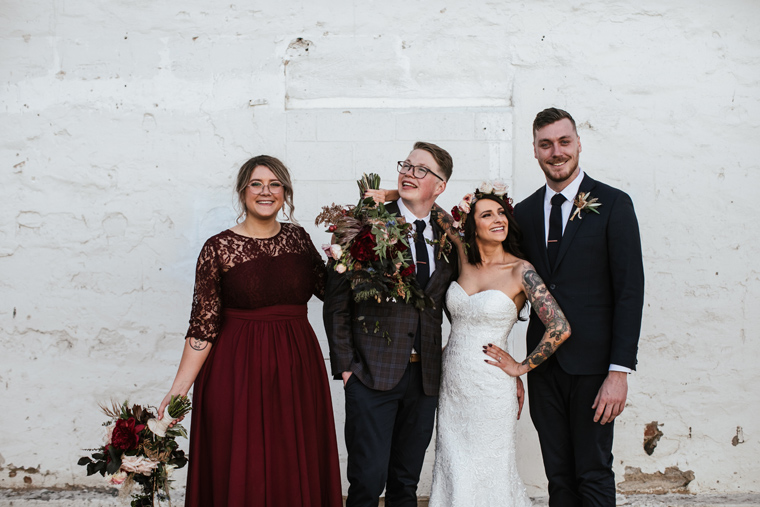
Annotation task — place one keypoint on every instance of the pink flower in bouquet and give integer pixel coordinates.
(118, 478)
(126, 434)
(138, 465)
(340, 268)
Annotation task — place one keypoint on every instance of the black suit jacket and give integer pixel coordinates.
(376, 363)
(598, 279)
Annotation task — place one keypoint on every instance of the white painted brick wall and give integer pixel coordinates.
(123, 126)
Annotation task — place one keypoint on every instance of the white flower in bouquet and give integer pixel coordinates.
(340, 268)
(464, 206)
(108, 434)
(138, 465)
(336, 251)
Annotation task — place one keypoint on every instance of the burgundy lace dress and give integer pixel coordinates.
(262, 430)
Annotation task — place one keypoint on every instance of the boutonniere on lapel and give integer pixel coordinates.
(584, 202)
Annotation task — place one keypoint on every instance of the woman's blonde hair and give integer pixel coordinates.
(281, 173)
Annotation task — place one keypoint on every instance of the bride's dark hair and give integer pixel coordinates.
(514, 235)
(510, 245)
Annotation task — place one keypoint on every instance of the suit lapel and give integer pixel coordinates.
(537, 213)
(573, 225)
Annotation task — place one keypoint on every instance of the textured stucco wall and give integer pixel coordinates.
(123, 124)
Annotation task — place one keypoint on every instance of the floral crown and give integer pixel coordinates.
(461, 210)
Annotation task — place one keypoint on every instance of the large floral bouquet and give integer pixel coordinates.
(371, 246)
(133, 453)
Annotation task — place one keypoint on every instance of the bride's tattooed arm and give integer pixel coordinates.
(547, 309)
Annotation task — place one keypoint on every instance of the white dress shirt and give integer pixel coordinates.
(427, 233)
(570, 192)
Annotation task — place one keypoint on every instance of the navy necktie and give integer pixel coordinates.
(555, 229)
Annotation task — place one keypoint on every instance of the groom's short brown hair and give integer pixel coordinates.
(549, 116)
(441, 157)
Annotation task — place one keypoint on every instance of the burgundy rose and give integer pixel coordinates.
(408, 271)
(455, 214)
(401, 247)
(126, 434)
(363, 247)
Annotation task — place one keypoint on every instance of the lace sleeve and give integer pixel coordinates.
(205, 315)
(318, 267)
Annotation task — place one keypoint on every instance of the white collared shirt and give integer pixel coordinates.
(569, 192)
(427, 233)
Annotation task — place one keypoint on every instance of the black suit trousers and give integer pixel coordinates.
(387, 434)
(577, 452)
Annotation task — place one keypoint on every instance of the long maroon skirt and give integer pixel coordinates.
(262, 430)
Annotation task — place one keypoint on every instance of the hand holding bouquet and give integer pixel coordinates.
(132, 453)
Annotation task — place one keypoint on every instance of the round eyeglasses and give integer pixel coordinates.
(275, 187)
(417, 171)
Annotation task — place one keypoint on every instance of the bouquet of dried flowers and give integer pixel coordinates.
(133, 453)
(371, 246)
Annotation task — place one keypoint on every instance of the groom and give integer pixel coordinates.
(391, 387)
(593, 267)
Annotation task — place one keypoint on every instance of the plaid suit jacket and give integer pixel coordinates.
(377, 363)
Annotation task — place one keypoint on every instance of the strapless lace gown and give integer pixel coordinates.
(475, 462)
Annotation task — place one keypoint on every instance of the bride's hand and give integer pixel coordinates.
(503, 360)
(381, 195)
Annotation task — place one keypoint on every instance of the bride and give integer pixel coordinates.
(478, 408)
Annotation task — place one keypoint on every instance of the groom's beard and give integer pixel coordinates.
(564, 174)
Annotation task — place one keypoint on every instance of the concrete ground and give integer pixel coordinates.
(109, 498)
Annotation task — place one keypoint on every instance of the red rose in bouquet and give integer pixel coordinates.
(408, 271)
(455, 214)
(363, 247)
(126, 434)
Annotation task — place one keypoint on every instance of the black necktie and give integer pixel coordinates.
(423, 269)
(555, 229)
(423, 273)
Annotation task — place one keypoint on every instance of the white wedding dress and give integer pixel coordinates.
(475, 462)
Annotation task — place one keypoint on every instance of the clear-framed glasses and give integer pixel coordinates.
(275, 187)
(417, 171)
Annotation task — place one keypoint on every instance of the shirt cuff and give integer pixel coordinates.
(617, 367)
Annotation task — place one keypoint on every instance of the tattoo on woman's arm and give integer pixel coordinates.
(547, 309)
(198, 344)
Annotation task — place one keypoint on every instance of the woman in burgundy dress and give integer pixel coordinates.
(262, 431)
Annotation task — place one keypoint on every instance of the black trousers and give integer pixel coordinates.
(577, 451)
(387, 434)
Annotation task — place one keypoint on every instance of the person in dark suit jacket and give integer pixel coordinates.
(592, 264)
(391, 385)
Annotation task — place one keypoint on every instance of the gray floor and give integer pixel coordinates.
(108, 498)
